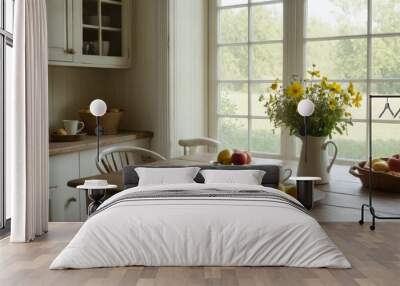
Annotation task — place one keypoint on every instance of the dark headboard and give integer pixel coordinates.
(271, 177)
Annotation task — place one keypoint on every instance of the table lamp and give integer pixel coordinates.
(305, 108)
(98, 108)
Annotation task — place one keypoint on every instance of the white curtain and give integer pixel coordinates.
(27, 124)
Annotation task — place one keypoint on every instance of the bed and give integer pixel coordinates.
(197, 224)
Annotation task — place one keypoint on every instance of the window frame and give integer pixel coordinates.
(292, 65)
(369, 80)
(214, 47)
(6, 39)
(294, 59)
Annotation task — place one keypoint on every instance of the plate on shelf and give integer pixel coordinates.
(66, 138)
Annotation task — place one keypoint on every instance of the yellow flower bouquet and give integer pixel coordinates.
(331, 101)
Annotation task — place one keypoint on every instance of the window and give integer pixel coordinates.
(6, 43)
(249, 57)
(253, 44)
(358, 41)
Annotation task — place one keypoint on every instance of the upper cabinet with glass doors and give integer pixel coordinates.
(91, 33)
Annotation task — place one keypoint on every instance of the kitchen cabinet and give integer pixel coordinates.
(59, 19)
(68, 204)
(89, 33)
(59, 22)
(64, 202)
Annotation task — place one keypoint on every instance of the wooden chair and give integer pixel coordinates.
(190, 146)
(116, 158)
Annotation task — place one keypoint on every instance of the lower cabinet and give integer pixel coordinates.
(64, 201)
(68, 204)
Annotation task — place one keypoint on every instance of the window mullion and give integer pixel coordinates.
(288, 66)
(3, 39)
(2, 96)
(369, 61)
(249, 76)
(293, 54)
(268, 42)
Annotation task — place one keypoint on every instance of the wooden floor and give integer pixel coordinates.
(375, 257)
(344, 196)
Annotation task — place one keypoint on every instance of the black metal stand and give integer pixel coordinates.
(370, 178)
(305, 138)
(98, 137)
(96, 198)
(98, 131)
(305, 193)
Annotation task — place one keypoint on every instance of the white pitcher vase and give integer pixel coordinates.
(317, 162)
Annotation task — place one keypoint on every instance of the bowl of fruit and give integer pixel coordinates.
(233, 157)
(385, 173)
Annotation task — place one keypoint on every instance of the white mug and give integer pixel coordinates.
(72, 126)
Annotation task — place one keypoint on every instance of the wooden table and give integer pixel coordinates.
(97, 196)
(112, 178)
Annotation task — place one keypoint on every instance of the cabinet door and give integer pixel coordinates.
(102, 32)
(59, 26)
(64, 201)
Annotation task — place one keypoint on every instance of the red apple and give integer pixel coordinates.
(239, 158)
(394, 164)
(249, 158)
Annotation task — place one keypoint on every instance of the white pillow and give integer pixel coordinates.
(248, 177)
(165, 176)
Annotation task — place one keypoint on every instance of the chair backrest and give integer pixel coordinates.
(116, 158)
(190, 146)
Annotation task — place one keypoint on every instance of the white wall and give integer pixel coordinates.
(174, 108)
(188, 71)
(142, 89)
(72, 88)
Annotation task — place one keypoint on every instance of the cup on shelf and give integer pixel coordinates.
(73, 127)
(86, 48)
(95, 48)
(106, 48)
(105, 21)
(93, 20)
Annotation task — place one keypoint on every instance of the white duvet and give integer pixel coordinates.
(200, 231)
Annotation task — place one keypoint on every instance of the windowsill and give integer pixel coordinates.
(339, 162)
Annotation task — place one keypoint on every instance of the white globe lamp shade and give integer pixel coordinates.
(98, 107)
(305, 108)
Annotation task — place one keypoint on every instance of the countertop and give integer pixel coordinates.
(90, 142)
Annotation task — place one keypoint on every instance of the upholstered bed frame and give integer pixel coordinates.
(271, 178)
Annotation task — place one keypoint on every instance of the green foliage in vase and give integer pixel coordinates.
(330, 99)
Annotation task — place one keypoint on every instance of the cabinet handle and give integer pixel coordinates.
(69, 201)
(53, 187)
